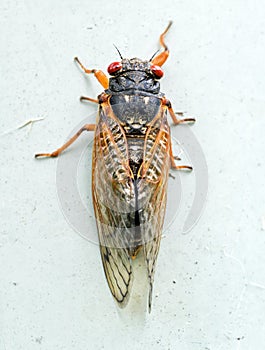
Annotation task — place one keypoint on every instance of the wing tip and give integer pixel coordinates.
(150, 297)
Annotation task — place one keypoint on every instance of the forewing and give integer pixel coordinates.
(152, 187)
(113, 198)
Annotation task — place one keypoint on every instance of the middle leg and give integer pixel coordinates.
(176, 120)
(85, 98)
(87, 127)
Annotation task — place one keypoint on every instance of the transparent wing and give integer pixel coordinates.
(114, 200)
(152, 189)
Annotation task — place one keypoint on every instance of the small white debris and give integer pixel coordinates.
(27, 122)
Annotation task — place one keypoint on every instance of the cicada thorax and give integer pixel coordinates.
(135, 111)
(135, 100)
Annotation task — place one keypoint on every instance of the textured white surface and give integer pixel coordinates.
(52, 289)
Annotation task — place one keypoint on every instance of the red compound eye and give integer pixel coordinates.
(157, 71)
(114, 67)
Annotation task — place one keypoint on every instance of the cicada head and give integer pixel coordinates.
(134, 74)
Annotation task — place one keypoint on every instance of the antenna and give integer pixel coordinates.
(154, 55)
(118, 51)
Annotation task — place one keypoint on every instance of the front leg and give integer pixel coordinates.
(101, 76)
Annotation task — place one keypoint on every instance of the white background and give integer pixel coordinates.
(53, 293)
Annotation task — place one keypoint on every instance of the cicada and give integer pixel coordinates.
(132, 156)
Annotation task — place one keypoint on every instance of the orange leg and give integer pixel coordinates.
(160, 59)
(180, 167)
(87, 127)
(176, 121)
(101, 76)
(173, 164)
(85, 98)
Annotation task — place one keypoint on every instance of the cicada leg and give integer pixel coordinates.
(101, 76)
(174, 165)
(181, 167)
(85, 98)
(87, 127)
(160, 59)
(181, 114)
(176, 120)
